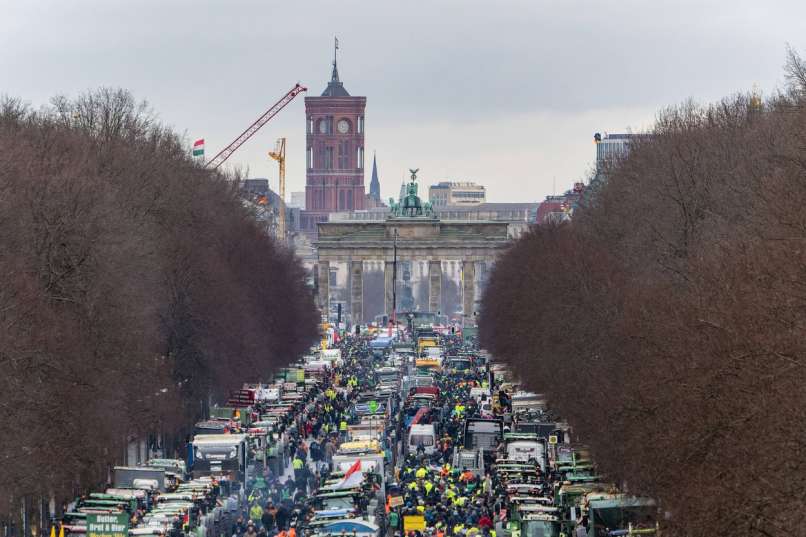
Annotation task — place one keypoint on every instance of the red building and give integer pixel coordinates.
(557, 209)
(335, 154)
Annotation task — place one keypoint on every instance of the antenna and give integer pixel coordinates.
(335, 48)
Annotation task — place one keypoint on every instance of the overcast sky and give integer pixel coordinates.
(504, 93)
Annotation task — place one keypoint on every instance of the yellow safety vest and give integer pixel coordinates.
(297, 463)
(343, 426)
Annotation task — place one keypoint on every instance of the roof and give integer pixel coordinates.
(335, 88)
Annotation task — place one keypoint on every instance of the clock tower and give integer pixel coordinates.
(335, 153)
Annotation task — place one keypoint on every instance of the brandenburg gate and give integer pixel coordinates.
(409, 233)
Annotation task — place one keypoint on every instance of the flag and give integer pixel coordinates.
(352, 478)
(198, 148)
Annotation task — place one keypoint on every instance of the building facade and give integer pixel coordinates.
(335, 153)
(297, 200)
(448, 193)
(558, 209)
(611, 148)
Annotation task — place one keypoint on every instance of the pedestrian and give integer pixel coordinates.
(267, 518)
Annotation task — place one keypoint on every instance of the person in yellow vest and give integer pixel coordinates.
(343, 429)
(429, 486)
(421, 473)
(298, 464)
(255, 512)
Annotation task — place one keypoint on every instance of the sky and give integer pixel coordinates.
(507, 93)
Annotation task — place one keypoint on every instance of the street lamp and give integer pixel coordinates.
(393, 321)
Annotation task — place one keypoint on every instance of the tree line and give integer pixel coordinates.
(136, 288)
(666, 322)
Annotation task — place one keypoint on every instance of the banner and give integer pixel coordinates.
(413, 523)
(107, 525)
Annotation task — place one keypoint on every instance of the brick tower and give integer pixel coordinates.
(335, 153)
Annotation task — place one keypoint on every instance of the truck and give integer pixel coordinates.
(139, 477)
(526, 447)
(220, 454)
(483, 434)
(469, 460)
(422, 435)
(371, 462)
(621, 514)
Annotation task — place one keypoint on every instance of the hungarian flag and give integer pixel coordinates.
(352, 478)
(198, 148)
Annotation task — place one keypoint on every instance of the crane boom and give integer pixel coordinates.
(225, 153)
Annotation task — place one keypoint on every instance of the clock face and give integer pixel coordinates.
(343, 126)
(323, 126)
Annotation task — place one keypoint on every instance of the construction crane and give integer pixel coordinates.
(225, 153)
(279, 155)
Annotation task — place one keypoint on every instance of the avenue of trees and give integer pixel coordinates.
(667, 322)
(135, 287)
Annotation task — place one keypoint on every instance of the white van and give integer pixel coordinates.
(424, 435)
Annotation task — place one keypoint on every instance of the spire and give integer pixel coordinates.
(335, 88)
(375, 184)
(334, 77)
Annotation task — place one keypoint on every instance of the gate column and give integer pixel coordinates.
(388, 281)
(434, 286)
(468, 287)
(357, 291)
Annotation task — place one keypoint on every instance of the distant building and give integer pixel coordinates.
(374, 195)
(449, 194)
(264, 204)
(557, 209)
(297, 200)
(611, 148)
(375, 183)
(258, 187)
(334, 126)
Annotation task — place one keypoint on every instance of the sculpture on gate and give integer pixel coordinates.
(410, 205)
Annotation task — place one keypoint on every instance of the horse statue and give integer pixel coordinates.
(410, 205)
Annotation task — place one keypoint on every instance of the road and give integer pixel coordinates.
(419, 434)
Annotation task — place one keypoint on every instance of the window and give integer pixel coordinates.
(341, 199)
(425, 439)
(360, 124)
(328, 158)
(310, 125)
(309, 158)
(344, 155)
(360, 158)
(350, 199)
